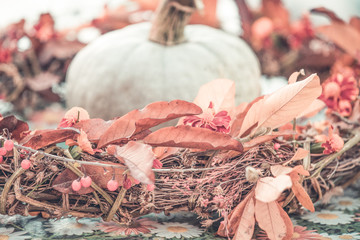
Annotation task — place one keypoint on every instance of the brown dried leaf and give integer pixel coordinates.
(192, 137)
(139, 158)
(152, 115)
(273, 220)
(42, 138)
(228, 228)
(84, 143)
(15, 126)
(246, 226)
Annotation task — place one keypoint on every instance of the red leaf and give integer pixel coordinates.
(282, 106)
(15, 126)
(43, 138)
(94, 128)
(272, 219)
(139, 159)
(228, 228)
(153, 114)
(269, 189)
(246, 226)
(192, 137)
(84, 143)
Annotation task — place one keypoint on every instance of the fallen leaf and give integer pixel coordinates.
(265, 138)
(277, 170)
(269, 189)
(246, 226)
(42, 138)
(299, 154)
(152, 115)
(94, 128)
(283, 105)
(84, 143)
(139, 159)
(229, 227)
(15, 126)
(272, 220)
(302, 196)
(192, 137)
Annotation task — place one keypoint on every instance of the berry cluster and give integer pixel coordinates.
(8, 146)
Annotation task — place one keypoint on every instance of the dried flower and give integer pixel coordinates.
(340, 90)
(136, 227)
(333, 143)
(219, 122)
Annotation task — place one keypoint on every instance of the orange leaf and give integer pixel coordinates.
(246, 226)
(228, 227)
(84, 143)
(272, 220)
(342, 34)
(315, 107)
(302, 196)
(94, 128)
(269, 189)
(42, 138)
(221, 92)
(300, 170)
(192, 137)
(277, 170)
(139, 159)
(152, 115)
(299, 154)
(283, 105)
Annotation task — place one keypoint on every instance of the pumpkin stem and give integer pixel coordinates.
(170, 20)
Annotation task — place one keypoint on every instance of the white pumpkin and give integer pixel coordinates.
(124, 70)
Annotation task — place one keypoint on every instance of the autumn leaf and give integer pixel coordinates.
(139, 159)
(192, 137)
(315, 107)
(344, 35)
(273, 220)
(229, 227)
(246, 226)
(297, 188)
(15, 126)
(84, 143)
(221, 92)
(283, 105)
(94, 128)
(269, 189)
(265, 138)
(152, 115)
(42, 138)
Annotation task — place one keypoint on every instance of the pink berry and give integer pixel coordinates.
(8, 145)
(112, 185)
(3, 151)
(1, 159)
(76, 185)
(276, 146)
(86, 181)
(25, 164)
(150, 187)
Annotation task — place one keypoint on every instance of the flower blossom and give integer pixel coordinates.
(219, 122)
(339, 90)
(333, 143)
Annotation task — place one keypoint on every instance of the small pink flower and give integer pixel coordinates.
(340, 90)
(219, 122)
(333, 143)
